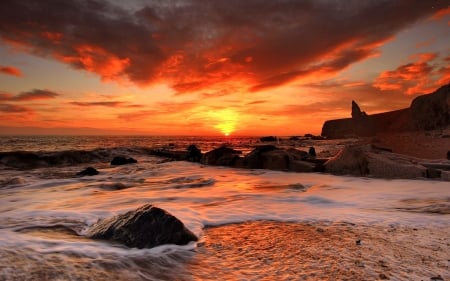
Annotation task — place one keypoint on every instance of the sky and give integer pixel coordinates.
(203, 67)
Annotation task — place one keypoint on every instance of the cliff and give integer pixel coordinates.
(427, 112)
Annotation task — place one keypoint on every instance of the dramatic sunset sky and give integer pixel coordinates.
(213, 67)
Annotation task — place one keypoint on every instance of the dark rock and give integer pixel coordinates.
(308, 135)
(362, 123)
(381, 148)
(431, 111)
(171, 154)
(255, 158)
(433, 173)
(364, 160)
(312, 152)
(294, 138)
(437, 278)
(145, 227)
(448, 155)
(427, 112)
(119, 160)
(222, 156)
(268, 139)
(194, 155)
(89, 171)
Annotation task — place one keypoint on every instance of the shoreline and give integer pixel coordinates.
(312, 251)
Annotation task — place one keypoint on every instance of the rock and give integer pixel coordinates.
(272, 158)
(433, 173)
(222, 156)
(426, 112)
(312, 152)
(171, 154)
(89, 171)
(431, 111)
(254, 159)
(118, 160)
(294, 138)
(448, 155)
(364, 160)
(194, 155)
(268, 139)
(145, 227)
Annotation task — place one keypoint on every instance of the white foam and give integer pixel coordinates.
(200, 196)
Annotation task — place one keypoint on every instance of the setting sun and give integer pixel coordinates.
(225, 120)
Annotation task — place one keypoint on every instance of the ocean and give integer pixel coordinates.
(45, 210)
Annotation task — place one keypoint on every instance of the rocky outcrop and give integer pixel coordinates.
(145, 227)
(272, 158)
(367, 160)
(194, 153)
(222, 156)
(427, 112)
(119, 160)
(431, 111)
(268, 139)
(89, 171)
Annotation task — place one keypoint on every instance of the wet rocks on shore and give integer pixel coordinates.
(145, 227)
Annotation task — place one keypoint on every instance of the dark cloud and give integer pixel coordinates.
(10, 70)
(32, 95)
(35, 94)
(196, 44)
(106, 104)
(11, 108)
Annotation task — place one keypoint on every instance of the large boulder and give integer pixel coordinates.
(367, 160)
(89, 171)
(194, 153)
(222, 156)
(268, 139)
(273, 158)
(119, 160)
(145, 227)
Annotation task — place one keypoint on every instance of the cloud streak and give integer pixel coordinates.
(10, 70)
(194, 45)
(418, 77)
(36, 94)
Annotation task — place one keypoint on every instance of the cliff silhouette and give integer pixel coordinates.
(426, 112)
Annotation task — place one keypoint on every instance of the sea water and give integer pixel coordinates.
(45, 211)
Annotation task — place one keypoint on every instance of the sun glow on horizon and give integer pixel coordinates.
(225, 120)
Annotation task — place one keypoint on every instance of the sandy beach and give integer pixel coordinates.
(317, 251)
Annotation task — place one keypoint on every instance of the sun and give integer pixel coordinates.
(225, 120)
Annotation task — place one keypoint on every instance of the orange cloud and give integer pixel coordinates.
(413, 78)
(9, 70)
(195, 46)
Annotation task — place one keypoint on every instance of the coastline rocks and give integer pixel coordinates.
(119, 160)
(365, 160)
(272, 158)
(431, 111)
(145, 227)
(194, 153)
(222, 156)
(268, 139)
(426, 112)
(89, 171)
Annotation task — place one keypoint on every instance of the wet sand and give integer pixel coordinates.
(259, 250)
(265, 250)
